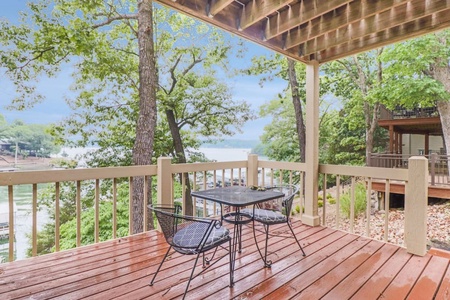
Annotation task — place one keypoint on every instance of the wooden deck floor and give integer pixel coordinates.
(338, 265)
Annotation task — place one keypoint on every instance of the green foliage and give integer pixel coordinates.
(331, 201)
(360, 201)
(320, 203)
(29, 139)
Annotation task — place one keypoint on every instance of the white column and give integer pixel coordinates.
(416, 201)
(311, 216)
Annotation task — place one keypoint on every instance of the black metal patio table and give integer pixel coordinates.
(237, 197)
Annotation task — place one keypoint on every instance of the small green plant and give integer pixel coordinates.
(320, 197)
(360, 201)
(332, 201)
(297, 209)
(320, 203)
(329, 196)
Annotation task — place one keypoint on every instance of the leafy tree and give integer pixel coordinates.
(359, 78)
(295, 74)
(417, 74)
(18, 133)
(63, 30)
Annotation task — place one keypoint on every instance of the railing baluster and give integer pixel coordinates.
(130, 206)
(183, 193)
(114, 212)
(78, 212)
(368, 205)
(263, 179)
(302, 188)
(352, 205)
(146, 190)
(96, 209)
(386, 209)
(240, 176)
(34, 226)
(280, 180)
(231, 176)
(338, 197)
(223, 178)
(11, 222)
(324, 199)
(205, 207)
(57, 213)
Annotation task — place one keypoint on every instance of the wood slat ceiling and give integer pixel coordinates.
(321, 30)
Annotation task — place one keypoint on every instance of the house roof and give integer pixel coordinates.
(321, 30)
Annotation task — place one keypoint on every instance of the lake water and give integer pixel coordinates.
(23, 197)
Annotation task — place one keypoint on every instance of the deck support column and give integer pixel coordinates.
(416, 201)
(311, 215)
(252, 170)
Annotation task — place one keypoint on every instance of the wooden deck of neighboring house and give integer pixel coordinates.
(338, 265)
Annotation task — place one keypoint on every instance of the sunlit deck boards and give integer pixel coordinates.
(337, 266)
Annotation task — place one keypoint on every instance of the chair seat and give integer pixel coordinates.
(265, 216)
(189, 238)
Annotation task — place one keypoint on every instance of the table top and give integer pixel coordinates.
(238, 196)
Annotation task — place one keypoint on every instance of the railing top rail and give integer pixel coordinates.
(282, 165)
(208, 166)
(373, 172)
(32, 177)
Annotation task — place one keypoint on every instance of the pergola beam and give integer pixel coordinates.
(397, 16)
(217, 6)
(355, 11)
(299, 13)
(389, 36)
(256, 10)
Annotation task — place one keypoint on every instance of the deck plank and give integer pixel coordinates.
(402, 284)
(337, 265)
(296, 283)
(444, 288)
(348, 287)
(373, 288)
(327, 282)
(429, 281)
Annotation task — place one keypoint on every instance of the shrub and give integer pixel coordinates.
(360, 201)
(332, 201)
(320, 203)
(329, 196)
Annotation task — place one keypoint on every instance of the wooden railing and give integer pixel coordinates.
(204, 176)
(437, 165)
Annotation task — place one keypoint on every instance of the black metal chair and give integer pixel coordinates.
(271, 213)
(192, 236)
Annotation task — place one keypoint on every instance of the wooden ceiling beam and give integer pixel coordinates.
(297, 14)
(217, 6)
(431, 23)
(391, 18)
(355, 11)
(256, 10)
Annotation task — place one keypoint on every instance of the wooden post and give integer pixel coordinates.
(311, 215)
(416, 200)
(252, 170)
(427, 144)
(164, 187)
(391, 139)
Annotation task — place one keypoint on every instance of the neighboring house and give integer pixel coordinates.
(413, 131)
(5, 145)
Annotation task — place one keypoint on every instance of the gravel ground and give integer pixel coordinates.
(438, 224)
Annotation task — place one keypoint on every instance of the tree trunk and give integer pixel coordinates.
(181, 158)
(146, 123)
(299, 122)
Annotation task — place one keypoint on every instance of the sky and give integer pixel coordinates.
(56, 89)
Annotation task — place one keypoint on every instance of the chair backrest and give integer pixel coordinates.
(172, 222)
(289, 190)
